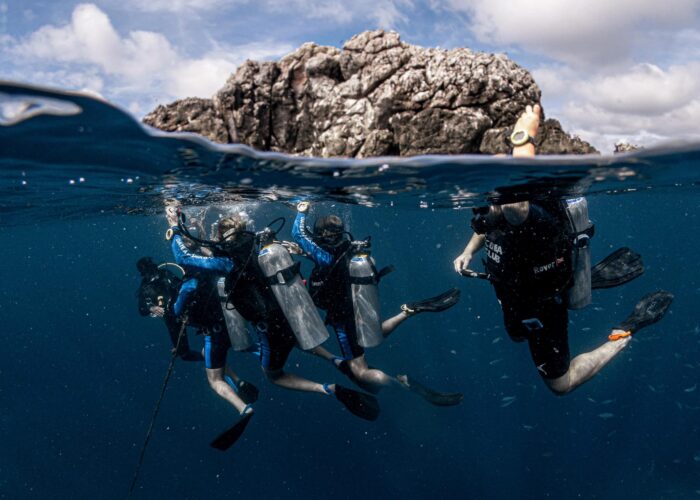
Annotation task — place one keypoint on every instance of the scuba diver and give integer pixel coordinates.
(156, 294)
(263, 286)
(199, 303)
(344, 284)
(538, 262)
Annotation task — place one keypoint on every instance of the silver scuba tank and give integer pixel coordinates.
(579, 294)
(365, 300)
(238, 334)
(292, 296)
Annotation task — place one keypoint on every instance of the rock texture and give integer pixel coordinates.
(625, 147)
(377, 96)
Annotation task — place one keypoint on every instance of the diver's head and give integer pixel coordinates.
(236, 240)
(146, 266)
(329, 230)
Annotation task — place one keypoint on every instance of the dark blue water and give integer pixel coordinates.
(80, 370)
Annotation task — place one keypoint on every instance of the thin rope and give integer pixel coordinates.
(157, 407)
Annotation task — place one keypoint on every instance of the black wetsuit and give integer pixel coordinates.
(161, 289)
(251, 295)
(530, 266)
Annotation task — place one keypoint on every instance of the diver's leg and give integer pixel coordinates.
(389, 325)
(368, 375)
(215, 361)
(584, 366)
(294, 382)
(215, 376)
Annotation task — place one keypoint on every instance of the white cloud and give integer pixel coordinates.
(90, 54)
(643, 104)
(592, 31)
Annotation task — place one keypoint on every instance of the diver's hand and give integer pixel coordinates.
(157, 311)
(529, 120)
(292, 247)
(461, 263)
(171, 215)
(303, 207)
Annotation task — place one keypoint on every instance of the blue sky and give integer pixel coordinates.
(609, 70)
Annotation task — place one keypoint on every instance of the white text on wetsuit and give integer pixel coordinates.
(494, 251)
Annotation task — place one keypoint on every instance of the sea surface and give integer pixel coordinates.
(82, 186)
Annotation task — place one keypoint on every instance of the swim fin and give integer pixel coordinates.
(229, 437)
(616, 269)
(433, 397)
(433, 304)
(358, 403)
(247, 392)
(650, 309)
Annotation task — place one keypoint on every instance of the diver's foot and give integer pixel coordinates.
(650, 309)
(433, 304)
(431, 396)
(358, 403)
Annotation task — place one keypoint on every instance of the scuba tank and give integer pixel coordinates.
(579, 294)
(292, 296)
(238, 334)
(365, 300)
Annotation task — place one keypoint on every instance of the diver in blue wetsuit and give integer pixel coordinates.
(344, 284)
(198, 299)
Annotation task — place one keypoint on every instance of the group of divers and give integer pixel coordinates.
(244, 291)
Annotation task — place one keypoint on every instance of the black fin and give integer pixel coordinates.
(359, 404)
(618, 268)
(247, 392)
(229, 437)
(433, 397)
(434, 304)
(650, 309)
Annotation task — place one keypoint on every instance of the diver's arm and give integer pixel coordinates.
(185, 257)
(183, 298)
(475, 244)
(303, 239)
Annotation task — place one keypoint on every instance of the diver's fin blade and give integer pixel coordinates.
(229, 437)
(247, 392)
(435, 304)
(618, 268)
(650, 309)
(358, 403)
(431, 396)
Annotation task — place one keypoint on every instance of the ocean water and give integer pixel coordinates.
(81, 190)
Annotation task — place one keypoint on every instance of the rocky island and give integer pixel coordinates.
(376, 96)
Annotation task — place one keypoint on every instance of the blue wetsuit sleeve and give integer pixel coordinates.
(303, 239)
(185, 257)
(186, 291)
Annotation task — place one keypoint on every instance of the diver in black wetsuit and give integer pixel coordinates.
(352, 312)
(156, 295)
(528, 260)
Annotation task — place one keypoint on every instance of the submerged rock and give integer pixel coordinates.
(377, 96)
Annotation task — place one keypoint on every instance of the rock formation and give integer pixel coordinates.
(377, 96)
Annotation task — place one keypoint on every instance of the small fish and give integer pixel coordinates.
(691, 389)
(528, 427)
(507, 403)
(679, 405)
(493, 362)
(453, 351)
(606, 416)
(591, 399)
(608, 401)
(652, 388)
(496, 340)
(697, 457)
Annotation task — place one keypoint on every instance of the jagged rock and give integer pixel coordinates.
(377, 96)
(190, 115)
(625, 147)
